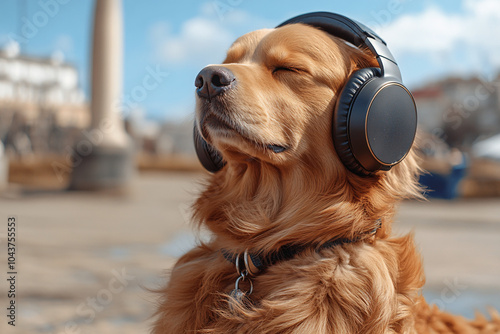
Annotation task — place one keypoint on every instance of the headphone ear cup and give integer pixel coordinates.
(209, 157)
(340, 130)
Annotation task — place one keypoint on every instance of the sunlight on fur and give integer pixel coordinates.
(287, 83)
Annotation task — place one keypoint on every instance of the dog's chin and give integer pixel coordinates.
(224, 133)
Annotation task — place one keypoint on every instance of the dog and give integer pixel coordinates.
(300, 243)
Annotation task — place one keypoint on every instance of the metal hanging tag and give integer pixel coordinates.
(238, 296)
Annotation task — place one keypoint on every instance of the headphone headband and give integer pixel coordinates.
(353, 32)
(374, 120)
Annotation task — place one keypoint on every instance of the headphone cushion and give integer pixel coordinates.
(209, 157)
(340, 129)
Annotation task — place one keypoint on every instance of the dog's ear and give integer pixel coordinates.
(361, 58)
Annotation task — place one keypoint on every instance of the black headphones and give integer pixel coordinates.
(375, 120)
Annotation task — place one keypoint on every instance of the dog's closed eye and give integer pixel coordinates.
(284, 69)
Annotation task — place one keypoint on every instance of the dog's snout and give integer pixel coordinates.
(213, 80)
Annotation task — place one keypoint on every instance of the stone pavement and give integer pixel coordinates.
(85, 261)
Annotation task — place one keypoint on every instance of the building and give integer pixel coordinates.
(40, 99)
(459, 111)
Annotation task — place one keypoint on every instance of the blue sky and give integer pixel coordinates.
(430, 39)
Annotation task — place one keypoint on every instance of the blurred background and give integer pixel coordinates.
(88, 255)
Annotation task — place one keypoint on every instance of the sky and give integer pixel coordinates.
(430, 39)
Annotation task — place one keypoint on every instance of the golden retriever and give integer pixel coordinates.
(283, 185)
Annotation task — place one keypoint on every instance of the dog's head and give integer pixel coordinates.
(273, 97)
(270, 105)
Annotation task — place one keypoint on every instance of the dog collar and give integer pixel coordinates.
(251, 264)
(255, 263)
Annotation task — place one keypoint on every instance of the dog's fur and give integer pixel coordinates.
(288, 81)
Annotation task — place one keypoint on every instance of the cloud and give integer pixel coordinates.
(199, 38)
(203, 38)
(465, 39)
(429, 31)
(64, 43)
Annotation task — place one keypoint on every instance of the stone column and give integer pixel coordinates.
(106, 151)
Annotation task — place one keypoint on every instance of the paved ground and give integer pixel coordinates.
(85, 261)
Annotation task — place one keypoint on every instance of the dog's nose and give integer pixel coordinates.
(213, 80)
